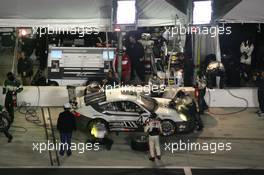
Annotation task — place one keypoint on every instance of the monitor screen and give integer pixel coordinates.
(57, 54)
(108, 55)
(126, 12)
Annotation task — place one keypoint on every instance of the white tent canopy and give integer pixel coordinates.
(247, 11)
(91, 13)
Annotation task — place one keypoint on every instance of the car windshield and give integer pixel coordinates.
(149, 103)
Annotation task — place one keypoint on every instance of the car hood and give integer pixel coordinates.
(167, 113)
(163, 102)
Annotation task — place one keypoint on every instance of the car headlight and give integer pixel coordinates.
(183, 117)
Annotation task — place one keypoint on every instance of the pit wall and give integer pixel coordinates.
(57, 96)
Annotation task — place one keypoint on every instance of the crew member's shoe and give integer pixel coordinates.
(199, 128)
(158, 157)
(261, 114)
(61, 153)
(69, 153)
(258, 112)
(152, 159)
(10, 139)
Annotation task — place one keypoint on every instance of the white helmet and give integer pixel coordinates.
(67, 106)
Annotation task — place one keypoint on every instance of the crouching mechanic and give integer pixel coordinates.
(11, 87)
(66, 124)
(153, 129)
(5, 129)
(185, 99)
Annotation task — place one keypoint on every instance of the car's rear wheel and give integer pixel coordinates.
(168, 127)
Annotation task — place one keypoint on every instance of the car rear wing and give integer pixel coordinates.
(91, 98)
(94, 98)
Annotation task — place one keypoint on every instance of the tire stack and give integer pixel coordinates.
(140, 143)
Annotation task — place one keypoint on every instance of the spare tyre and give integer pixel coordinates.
(140, 143)
(4, 121)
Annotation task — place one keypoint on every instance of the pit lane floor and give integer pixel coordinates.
(243, 130)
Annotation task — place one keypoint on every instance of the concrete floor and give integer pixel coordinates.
(243, 130)
(19, 152)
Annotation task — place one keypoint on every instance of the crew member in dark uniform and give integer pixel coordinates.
(185, 99)
(66, 124)
(260, 84)
(201, 85)
(136, 54)
(25, 69)
(11, 87)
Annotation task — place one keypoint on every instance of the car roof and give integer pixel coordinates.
(120, 94)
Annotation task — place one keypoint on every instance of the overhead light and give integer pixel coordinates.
(202, 12)
(25, 32)
(117, 28)
(126, 12)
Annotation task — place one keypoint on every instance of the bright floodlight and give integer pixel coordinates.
(23, 32)
(126, 12)
(202, 12)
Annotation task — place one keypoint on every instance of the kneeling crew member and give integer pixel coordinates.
(66, 125)
(153, 129)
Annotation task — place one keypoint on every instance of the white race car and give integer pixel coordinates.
(122, 110)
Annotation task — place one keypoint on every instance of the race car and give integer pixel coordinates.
(122, 110)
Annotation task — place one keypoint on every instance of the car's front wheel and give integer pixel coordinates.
(168, 127)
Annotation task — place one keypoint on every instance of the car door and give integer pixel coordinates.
(124, 115)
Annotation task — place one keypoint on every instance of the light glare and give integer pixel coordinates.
(126, 12)
(202, 12)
